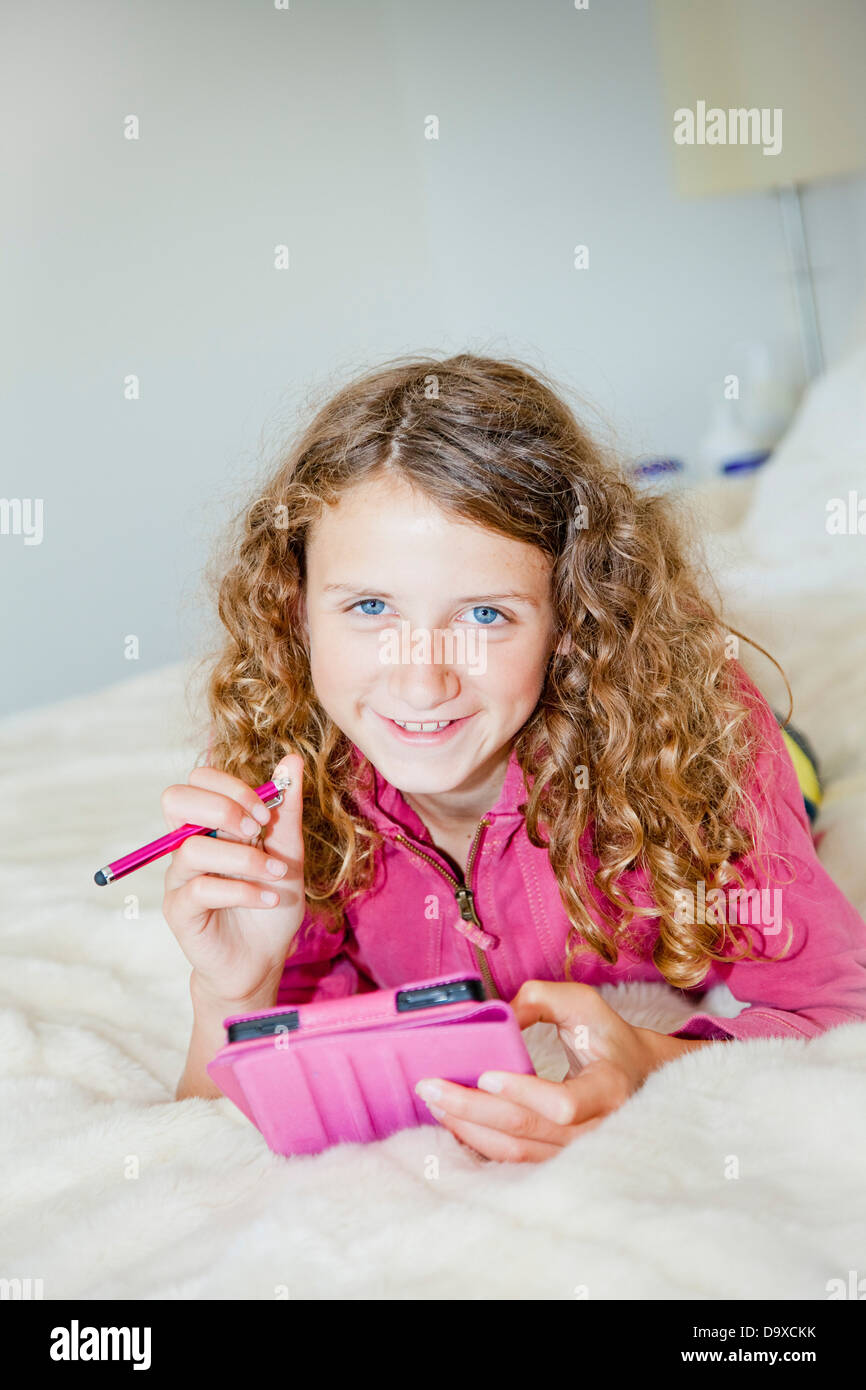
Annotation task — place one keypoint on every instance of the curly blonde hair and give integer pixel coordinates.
(645, 698)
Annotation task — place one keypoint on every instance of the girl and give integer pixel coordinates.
(522, 745)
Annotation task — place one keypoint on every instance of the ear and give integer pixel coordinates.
(563, 647)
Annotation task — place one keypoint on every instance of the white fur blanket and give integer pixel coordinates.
(736, 1172)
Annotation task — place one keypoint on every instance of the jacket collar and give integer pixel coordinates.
(385, 806)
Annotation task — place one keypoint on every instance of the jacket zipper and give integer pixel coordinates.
(465, 900)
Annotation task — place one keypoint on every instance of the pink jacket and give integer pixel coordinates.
(508, 923)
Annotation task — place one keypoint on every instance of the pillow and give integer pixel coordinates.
(822, 457)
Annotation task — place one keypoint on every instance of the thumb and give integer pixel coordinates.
(283, 835)
(582, 1017)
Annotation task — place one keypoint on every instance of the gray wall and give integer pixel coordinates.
(306, 127)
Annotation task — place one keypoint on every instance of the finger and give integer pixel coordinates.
(601, 1087)
(228, 858)
(465, 1103)
(194, 902)
(584, 1019)
(493, 1143)
(557, 1001)
(291, 765)
(188, 804)
(284, 834)
(214, 779)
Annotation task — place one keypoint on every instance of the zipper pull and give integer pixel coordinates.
(469, 926)
(466, 903)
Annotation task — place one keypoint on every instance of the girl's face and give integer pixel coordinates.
(412, 615)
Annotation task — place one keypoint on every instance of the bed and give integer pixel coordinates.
(735, 1172)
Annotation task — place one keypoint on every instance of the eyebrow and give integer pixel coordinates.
(380, 593)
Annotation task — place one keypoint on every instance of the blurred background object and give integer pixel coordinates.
(789, 77)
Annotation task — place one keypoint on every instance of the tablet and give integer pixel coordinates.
(344, 1070)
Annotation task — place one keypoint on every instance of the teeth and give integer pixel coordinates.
(423, 728)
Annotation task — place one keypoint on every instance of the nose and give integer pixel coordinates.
(422, 685)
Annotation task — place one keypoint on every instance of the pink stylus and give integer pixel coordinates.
(271, 794)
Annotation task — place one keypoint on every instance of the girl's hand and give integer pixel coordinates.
(234, 938)
(525, 1119)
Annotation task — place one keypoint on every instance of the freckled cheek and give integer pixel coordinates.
(342, 662)
(515, 673)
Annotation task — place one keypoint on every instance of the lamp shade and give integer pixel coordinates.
(762, 93)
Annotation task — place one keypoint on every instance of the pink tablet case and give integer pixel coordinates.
(348, 1072)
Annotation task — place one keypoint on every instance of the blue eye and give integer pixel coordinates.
(487, 614)
(483, 608)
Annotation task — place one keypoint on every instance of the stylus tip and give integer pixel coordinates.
(99, 877)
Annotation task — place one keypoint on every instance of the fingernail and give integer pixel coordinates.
(270, 898)
(249, 826)
(261, 813)
(490, 1081)
(276, 867)
(428, 1090)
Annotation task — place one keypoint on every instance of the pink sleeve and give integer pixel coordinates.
(320, 967)
(821, 981)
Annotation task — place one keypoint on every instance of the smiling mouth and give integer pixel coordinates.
(423, 727)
